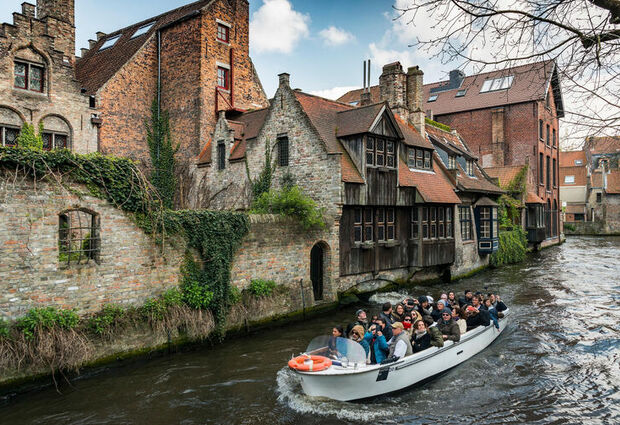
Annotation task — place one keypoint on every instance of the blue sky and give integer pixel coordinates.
(321, 43)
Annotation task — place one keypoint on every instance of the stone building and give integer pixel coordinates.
(389, 200)
(603, 158)
(38, 83)
(193, 60)
(508, 117)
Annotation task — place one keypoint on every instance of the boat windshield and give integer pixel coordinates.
(342, 349)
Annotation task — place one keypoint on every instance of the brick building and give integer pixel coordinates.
(574, 182)
(38, 83)
(198, 56)
(508, 117)
(603, 159)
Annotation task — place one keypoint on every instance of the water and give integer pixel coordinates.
(558, 362)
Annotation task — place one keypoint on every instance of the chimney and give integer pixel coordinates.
(63, 10)
(84, 51)
(100, 35)
(28, 9)
(392, 86)
(497, 134)
(285, 79)
(456, 78)
(415, 103)
(91, 43)
(365, 98)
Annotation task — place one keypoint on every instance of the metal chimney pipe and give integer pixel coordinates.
(364, 82)
(369, 75)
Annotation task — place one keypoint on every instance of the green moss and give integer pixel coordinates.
(437, 124)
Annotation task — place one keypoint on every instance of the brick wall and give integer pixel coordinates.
(131, 267)
(49, 43)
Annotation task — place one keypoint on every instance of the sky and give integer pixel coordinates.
(321, 43)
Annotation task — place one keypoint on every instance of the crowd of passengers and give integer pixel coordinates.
(414, 325)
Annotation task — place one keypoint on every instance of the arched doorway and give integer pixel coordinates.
(318, 268)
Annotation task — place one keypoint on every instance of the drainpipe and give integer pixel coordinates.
(232, 79)
(158, 80)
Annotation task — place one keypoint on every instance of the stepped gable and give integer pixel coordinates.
(97, 67)
(246, 127)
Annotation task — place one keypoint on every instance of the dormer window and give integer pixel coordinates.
(420, 158)
(469, 167)
(451, 162)
(29, 77)
(380, 152)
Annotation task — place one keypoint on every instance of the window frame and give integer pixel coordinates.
(358, 225)
(28, 75)
(53, 135)
(66, 239)
(3, 131)
(469, 167)
(378, 154)
(226, 32)
(423, 158)
(451, 162)
(541, 128)
(555, 181)
(225, 76)
(569, 181)
(221, 155)
(541, 169)
(465, 218)
(283, 151)
(414, 220)
(548, 173)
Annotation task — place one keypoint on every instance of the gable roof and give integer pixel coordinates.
(601, 145)
(530, 83)
(434, 187)
(613, 182)
(579, 173)
(205, 156)
(568, 158)
(411, 136)
(504, 174)
(357, 120)
(98, 66)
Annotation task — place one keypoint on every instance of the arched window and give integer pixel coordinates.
(10, 126)
(78, 237)
(56, 133)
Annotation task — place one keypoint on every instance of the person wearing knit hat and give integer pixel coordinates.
(449, 329)
(436, 313)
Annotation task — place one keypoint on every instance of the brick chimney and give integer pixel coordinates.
(63, 29)
(393, 87)
(415, 102)
(365, 98)
(284, 79)
(497, 134)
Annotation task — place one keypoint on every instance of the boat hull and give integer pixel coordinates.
(347, 384)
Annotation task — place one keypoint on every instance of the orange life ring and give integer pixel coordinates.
(306, 363)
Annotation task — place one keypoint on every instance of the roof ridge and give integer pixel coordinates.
(353, 108)
(324, 98)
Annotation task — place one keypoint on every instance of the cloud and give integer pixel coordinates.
(333, 36)
(276, 27)
(334, 92)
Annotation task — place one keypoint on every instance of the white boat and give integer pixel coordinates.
(355, 380)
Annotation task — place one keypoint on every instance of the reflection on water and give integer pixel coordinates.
(558, 362)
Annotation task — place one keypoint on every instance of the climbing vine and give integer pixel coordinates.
(512, 201)
(28, 139)
(512, 247)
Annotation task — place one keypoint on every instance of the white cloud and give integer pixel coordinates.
(333, 36)
(276, 27)
(334, 93)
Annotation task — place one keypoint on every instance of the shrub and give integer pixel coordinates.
(4, 328)
(512, 248)
(109, 317)
(28, 139)
(261, 288)
(234, 297)
(196, 293)
(47, 318)
(156, 308)
(570, 227)
(291, 202)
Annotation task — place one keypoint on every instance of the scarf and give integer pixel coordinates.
(419, 334)
(407, 325)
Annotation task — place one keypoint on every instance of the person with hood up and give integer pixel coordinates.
(377, 343)
(357, 334)
(449, 329)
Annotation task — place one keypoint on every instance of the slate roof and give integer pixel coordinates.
(530, 83)
(357, 120)
(97, 67)
(568, 158)
(433, 186)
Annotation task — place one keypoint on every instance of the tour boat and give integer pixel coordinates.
(350, 378)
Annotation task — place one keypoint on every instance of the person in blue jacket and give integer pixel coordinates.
(376, 340)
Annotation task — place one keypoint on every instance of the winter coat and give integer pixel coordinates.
(365, 345)
(421, 343)
(378, 345)
(450, 329)
(483, 318)
(464, 302)
(500, 306)
(462, 325)
(436, 337)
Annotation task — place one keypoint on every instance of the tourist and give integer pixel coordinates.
(457, 316)
(409, 304)
(467, 299)
(497, 303)
(399, 313)
(385, 328)
(449, 329)
(476, 302)
(399, 344)
(424, 307)
(436, 313)
(386, 313)
(477, 318)
(436, 338)
(492, 312)
(421, 338)
(361, 320)
(452, 299)
(444, 297)
(377, 343)
(333, 345)
(408, 324)
(374, 319)
(357, 335)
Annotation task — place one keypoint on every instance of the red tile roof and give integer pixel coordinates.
(580, 174)
(598, 145)
(504, 174)
(434, 187)
(97, 67)
(350, 173)
(613, 182)
(530, 83)
(205, 156)
(532, 198)
(246, 127)
(411, 135)
(568, 158)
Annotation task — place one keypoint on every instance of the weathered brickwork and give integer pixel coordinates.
(131, 266)
(48, 42)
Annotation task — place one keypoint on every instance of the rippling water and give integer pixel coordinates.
(558, 362)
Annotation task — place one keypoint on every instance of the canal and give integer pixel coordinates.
(557, 362)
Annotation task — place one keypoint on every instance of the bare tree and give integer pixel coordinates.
(582, 36)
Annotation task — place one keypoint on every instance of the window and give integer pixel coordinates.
(370, 151)
(451, 162)
(465, 219)
(222, 78)
(390, 154)
(578, 162)
(142, 30)
(390, 224)
(357, 225)
(109, 42)
(415, 230)
(547, 138)
(548, 173)
(221, 156)
(497, 84)
(380, 152)
(469, 169)
(78, 237)
(29, 77)
(461, 93)
(541, 127)
(554, 140)
(569, 179)
(427, 159)
(223, 33)
(54, 141)
(92, 102)
(380, 156)
(380, 224)
(423, 158)
(555, 183)
(548, 101)
(485, 222)
(541, 168)
(419, 158)
(8, 135)
(599, 197)
(433, 222)
(441, 222)
(425, 223)
(432, 97)
(449, 222)
(283, 151)
(368, 225)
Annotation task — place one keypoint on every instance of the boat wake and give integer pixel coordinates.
(291, 395)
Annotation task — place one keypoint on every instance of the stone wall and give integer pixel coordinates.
(48, 43)
(130, 266)
(467, 258)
